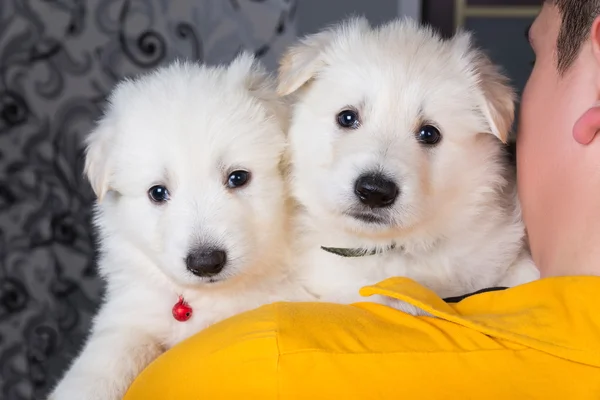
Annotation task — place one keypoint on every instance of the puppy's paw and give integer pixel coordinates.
(401, 306)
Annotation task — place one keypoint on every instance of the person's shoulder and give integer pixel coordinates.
(524, 341)
(551, 315)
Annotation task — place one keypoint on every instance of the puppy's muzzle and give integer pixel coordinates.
(375, 190)
(206, 262)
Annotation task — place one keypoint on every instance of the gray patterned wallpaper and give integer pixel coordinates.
(58, 61)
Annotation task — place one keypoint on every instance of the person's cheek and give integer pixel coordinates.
(529, 133)
(526, 129)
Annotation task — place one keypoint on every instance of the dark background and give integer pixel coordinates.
(58, 61)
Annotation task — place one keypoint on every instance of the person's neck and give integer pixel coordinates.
(579, 263)
(576, 251)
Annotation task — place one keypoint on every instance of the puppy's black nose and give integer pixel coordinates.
(206, 262)
(376, 191)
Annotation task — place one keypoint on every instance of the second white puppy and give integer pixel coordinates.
(398, 162)
(192, 215)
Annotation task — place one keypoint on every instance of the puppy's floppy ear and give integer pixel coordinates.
(97, 158)
(260, 84)
(496, 97)
(498, 105)
(251, 73)
(302, 61)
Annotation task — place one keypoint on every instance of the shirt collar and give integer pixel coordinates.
(555, 315)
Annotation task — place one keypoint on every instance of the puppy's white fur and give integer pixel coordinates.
(456, 222)
(186, 127)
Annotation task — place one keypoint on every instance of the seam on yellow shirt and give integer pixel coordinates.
(278, 368)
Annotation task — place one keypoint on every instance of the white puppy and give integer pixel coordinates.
(187, 168)
(397, 149)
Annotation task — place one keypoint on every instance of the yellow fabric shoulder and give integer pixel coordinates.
(539, 341)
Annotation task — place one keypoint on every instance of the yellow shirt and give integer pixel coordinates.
(536, 341)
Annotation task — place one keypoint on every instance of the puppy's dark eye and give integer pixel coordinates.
(429, 135)
(238, 179)
(158, 194)
(348, 119)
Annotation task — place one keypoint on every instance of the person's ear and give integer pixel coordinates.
(587, 126)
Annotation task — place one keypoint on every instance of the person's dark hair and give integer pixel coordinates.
(577, 19)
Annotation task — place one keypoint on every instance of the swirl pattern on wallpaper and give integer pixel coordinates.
(58, 61)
